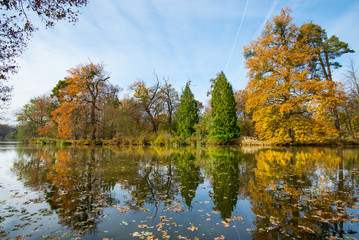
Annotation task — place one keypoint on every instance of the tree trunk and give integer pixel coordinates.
(290, 133)
(154, 125)
(336, 121)
(93, 122)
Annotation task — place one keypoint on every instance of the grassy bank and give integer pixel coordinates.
(140, 141)
(166, 140)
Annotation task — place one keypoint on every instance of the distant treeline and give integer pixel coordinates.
(291, 97)
(7, 132)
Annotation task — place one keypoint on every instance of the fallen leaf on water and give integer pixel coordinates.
(16, 196)
(219, 238)
(37, 200)
(273, 221)
(215, 212)
(271, 228)
(192, 228)
(121, 209)
(238, 218)
(159, 226)
(142, 226)
(307, 229)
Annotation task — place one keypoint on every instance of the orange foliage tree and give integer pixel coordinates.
(85, 89)
(287, 101)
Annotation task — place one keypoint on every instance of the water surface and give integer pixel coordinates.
(207, 193)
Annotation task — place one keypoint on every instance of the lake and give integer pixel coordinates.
(186, 193)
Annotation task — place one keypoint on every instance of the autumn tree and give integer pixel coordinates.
(170, 99)
(7, 131)
(287, 101)
(326, 50)
(187, 115)
(86, 89)
(131, 120)
(56, 91)
(110, 112)
(223, 110)
(35, 117)
(244, 119)
(150, 101)
(158, 102)
(350, 114)
(16, 29)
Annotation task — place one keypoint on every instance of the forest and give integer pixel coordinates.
(291, 97)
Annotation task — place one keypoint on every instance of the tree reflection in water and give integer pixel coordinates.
(189, 175)
(301, 194)
(224, 173)
(304, 193)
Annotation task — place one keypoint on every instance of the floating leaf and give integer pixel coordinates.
(307, 229)
(192, 228)
(225, 223)
(219, 238)
(121, 209)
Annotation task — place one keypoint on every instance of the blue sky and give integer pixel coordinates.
(179, 40)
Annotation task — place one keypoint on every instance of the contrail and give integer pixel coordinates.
(269, 13)
(235, 40)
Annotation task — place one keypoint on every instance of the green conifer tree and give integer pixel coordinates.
(187, 114)
(223, 113)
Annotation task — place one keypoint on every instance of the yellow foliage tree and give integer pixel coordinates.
(86, 87)
(288, 104)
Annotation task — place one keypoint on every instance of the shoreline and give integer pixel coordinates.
(180, 142)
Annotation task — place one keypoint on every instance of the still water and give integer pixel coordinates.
(209, 193)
